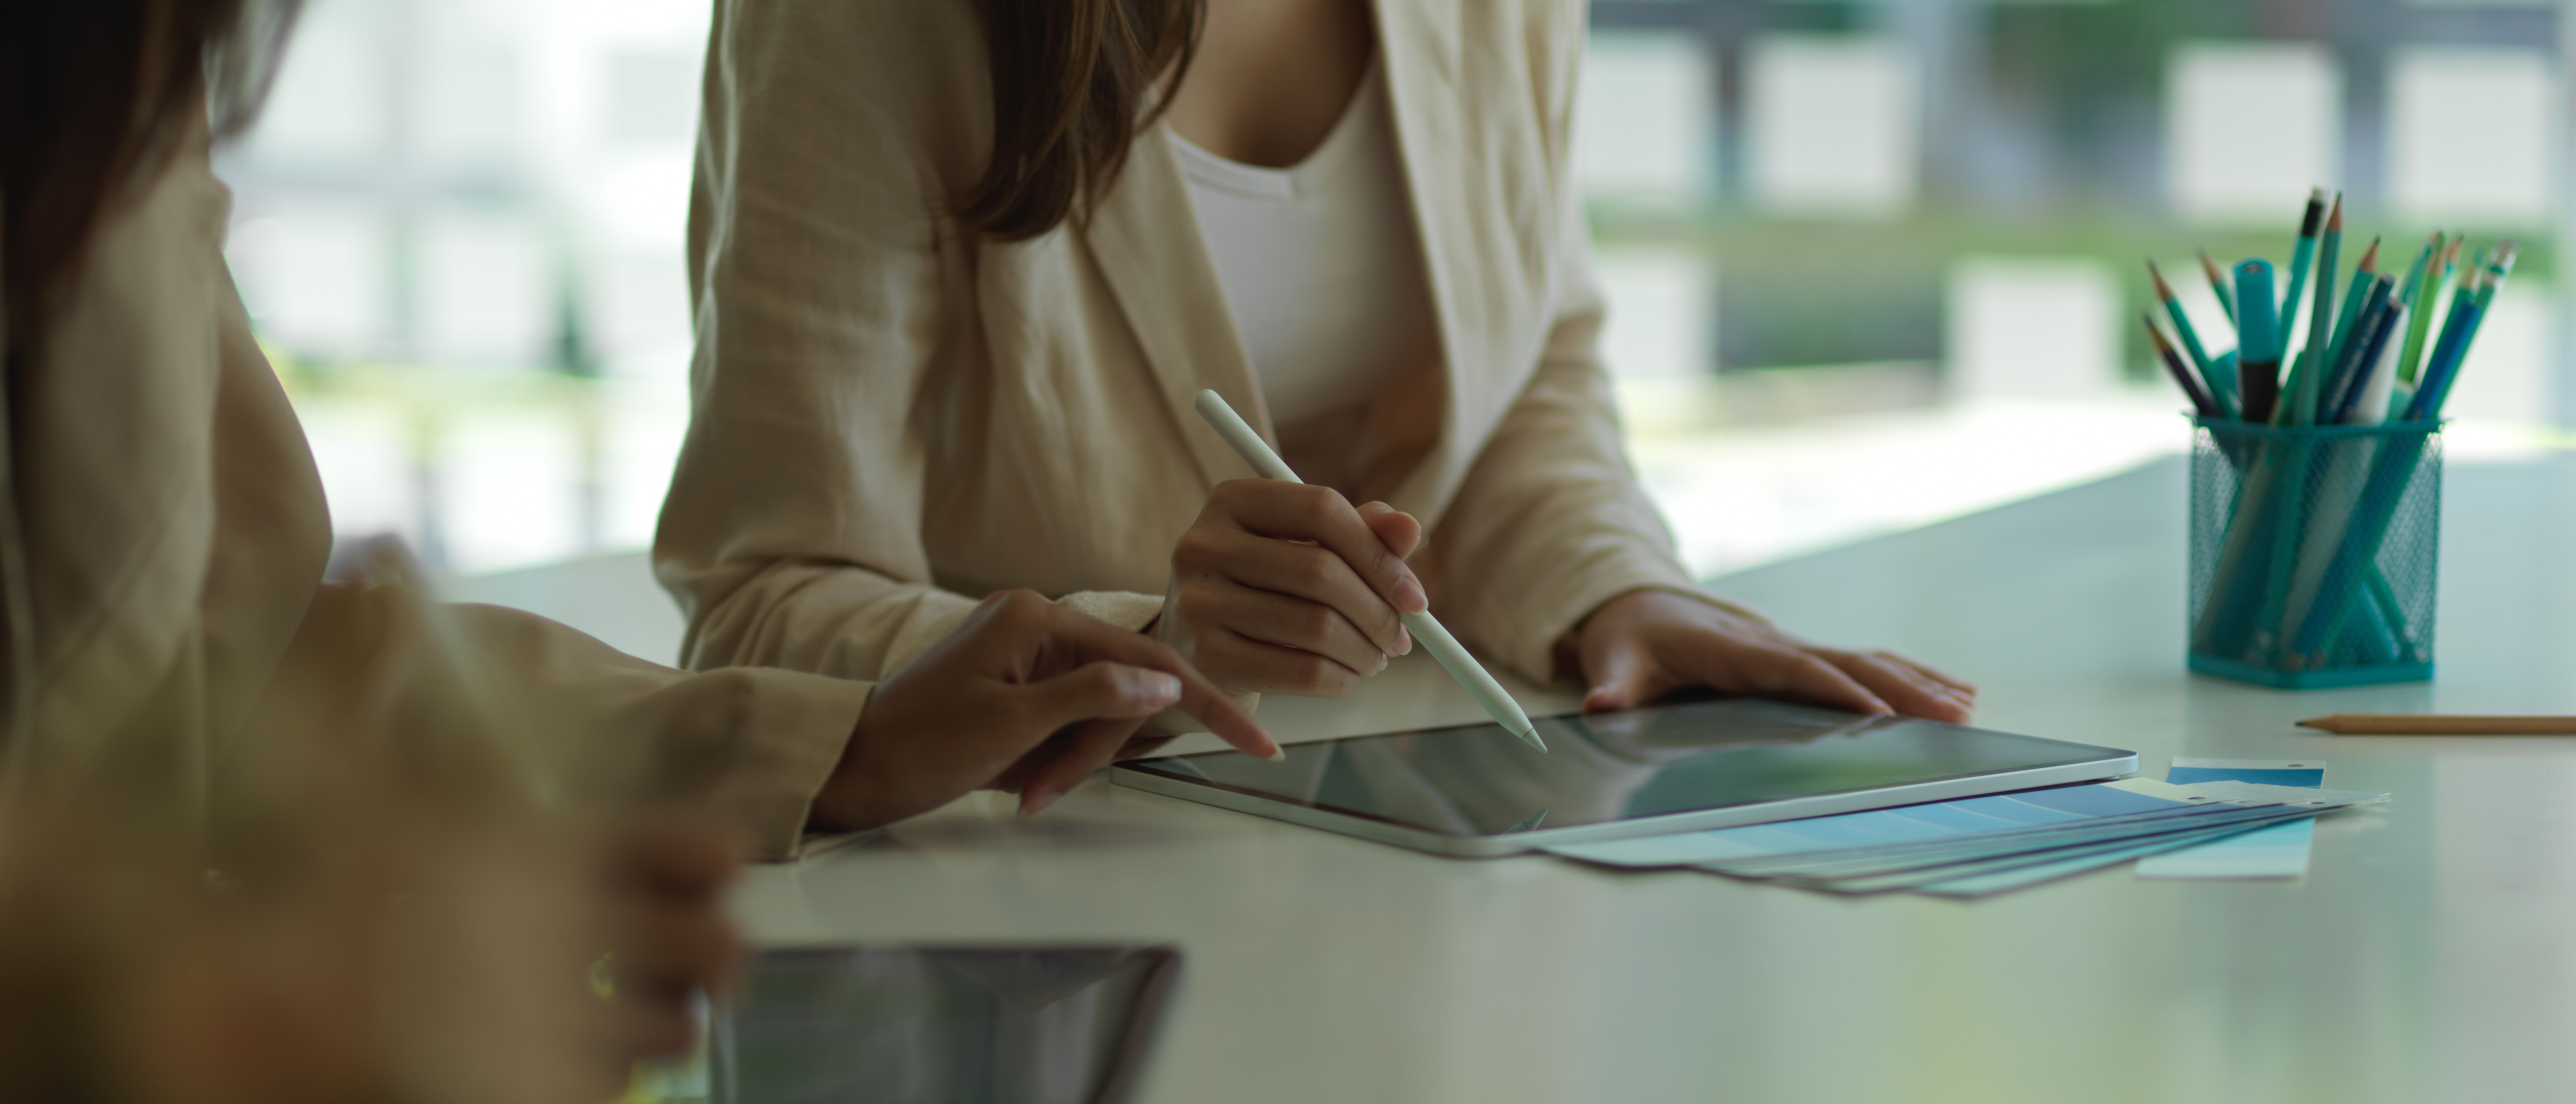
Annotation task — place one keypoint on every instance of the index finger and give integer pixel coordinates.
(1095, 639)
(1300, 511)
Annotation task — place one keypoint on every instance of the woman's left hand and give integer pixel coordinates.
(1643, 644)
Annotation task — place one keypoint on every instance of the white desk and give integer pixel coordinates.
(2430, 955)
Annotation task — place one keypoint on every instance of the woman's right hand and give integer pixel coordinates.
(1285, 587)
(1023, 695)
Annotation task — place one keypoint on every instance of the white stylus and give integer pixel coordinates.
(1452, 655)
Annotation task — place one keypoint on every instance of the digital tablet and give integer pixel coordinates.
(935, 1025)
(1477, 790)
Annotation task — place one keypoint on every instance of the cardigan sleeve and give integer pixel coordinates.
(753, 744)
(823, 274)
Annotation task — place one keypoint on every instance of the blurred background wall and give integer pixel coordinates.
(1870, 264)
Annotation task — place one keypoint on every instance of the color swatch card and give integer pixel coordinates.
(1995, 815)
(2001, 841)
(2278, 851)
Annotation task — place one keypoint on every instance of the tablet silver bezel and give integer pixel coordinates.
(2114, 764)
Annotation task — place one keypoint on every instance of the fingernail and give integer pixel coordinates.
(1409, 597)
(1032, 803)
(1403, 642)
(1156, 688)
(1278, 753)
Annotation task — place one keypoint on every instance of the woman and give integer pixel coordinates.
(960, 268)
(173, 662)
(164, 538)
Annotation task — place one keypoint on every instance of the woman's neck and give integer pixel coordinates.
(1272, 77)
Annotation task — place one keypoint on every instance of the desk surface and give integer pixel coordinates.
(2428, 955)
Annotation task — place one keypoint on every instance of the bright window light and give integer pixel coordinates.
(638, 314)
(315, 275)
(470, 106)
(488, 290)
(2469, 135)
(2506, 377)
(2032, 328)
(509, 488)
(364, 451)
(2249, 128)
(332, 103)
(1832, 125)
(641, 445)
(1645, 124)
(1662, 321)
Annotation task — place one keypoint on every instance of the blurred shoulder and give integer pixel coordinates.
(927, 44)
(1540, 28)
(1536, 44)
(849, 82)
(895, 27)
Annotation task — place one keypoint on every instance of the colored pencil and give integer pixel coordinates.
(2479, 291)
(2303, 375)
(2420, 288)
(2201, 400)
(2223, 392)
(2220, 286)
(2376, 506)
(2343, 376)
(2376, 352)
(2378, 381)
(2447, 350)
(2353, 298)
(2499, 265)
(2302, 253)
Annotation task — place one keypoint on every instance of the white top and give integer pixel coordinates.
(1319, 262)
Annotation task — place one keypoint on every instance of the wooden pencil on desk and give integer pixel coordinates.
(2435, 724)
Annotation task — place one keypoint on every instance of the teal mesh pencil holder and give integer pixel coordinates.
(2313, 552)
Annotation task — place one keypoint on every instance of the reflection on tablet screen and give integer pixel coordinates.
(899, 1025)
(1480, 780)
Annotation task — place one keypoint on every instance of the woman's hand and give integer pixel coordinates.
(1644, 643)
(1023, 695)
(1285, 587)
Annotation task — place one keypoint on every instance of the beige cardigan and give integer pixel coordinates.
(164, 540)
(893, 417)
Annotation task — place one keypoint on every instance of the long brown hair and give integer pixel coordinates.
(94, 95)
(1070, 83)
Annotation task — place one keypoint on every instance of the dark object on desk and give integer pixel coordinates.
(1475, 790)
(2435, 724)
(951, 1025)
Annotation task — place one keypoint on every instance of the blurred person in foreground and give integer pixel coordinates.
(164, 539)
(383, 907)
(181, 690)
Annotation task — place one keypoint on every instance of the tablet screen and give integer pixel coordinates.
(1480, 780)
(918, 1025)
